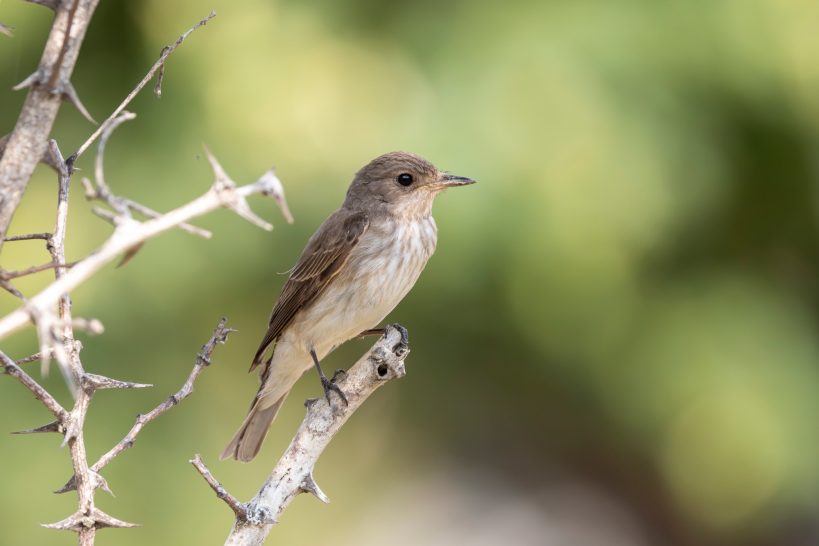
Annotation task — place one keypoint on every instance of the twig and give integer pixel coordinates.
(29, 237)
(121, 205)
(239, 509)
(223, 193)
(58, 339)
(8, 275)
(294, 472)
(219, 336)
(25, 360)
(159, 64)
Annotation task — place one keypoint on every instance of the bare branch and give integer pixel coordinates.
(32, 358)
(28, 140)
(238, 508)
(294, 472)
(121, 205)
(100, 382)
(128, 234)
(159, 64)
(103, 191)
(29, 237)
(8, 275)
(219, 336)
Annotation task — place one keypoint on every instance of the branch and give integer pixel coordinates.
(238, 508)
(129, 233)
(29, 237)
(157, 67)
(294, 472)
(219, 337)
(47, 87)
(102, 192)
(8, 275)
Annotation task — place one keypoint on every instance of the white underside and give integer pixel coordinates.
(380, 274)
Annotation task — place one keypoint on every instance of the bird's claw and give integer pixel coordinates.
(329, 386)
(338, 373)
(402, 345)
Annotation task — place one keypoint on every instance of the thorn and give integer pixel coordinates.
(70, 485)
(54, 426)
(97, 519)
(50, 4)
(90, 191)
(243, 209)
(70, 94)
(7, 30)
(33, 78)
(95, 381)
(161, 75)
(71, 523)
(100, 482)
(104, 520)
(309, 485)
(222, 181)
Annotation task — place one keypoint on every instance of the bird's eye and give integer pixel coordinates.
(405, 179)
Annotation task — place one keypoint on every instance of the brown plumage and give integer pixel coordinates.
(354, 270)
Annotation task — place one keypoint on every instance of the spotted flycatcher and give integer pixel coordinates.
(356, 268)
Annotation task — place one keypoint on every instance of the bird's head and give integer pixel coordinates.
(400, 183)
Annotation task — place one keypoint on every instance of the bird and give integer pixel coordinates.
(355, 269)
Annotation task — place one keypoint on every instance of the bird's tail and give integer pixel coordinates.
(246, 443)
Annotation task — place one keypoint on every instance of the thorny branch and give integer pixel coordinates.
(19, 153)
(129, 233)
(122, 205)
(203, 360)
(238, 508)
(48, 86)
(294, 472)
(158, 66)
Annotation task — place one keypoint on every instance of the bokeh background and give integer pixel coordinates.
(615, 344)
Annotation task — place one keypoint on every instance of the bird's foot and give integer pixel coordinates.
(338, 374)
(404, 343)
(380, 332)
(329, 385)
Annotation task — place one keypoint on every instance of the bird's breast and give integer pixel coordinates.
(381, 270)
(388, 260)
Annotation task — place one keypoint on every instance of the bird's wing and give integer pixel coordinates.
(324, 257)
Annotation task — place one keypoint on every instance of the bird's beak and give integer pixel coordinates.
(447, 180)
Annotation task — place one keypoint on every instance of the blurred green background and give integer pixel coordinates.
(615, 344)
